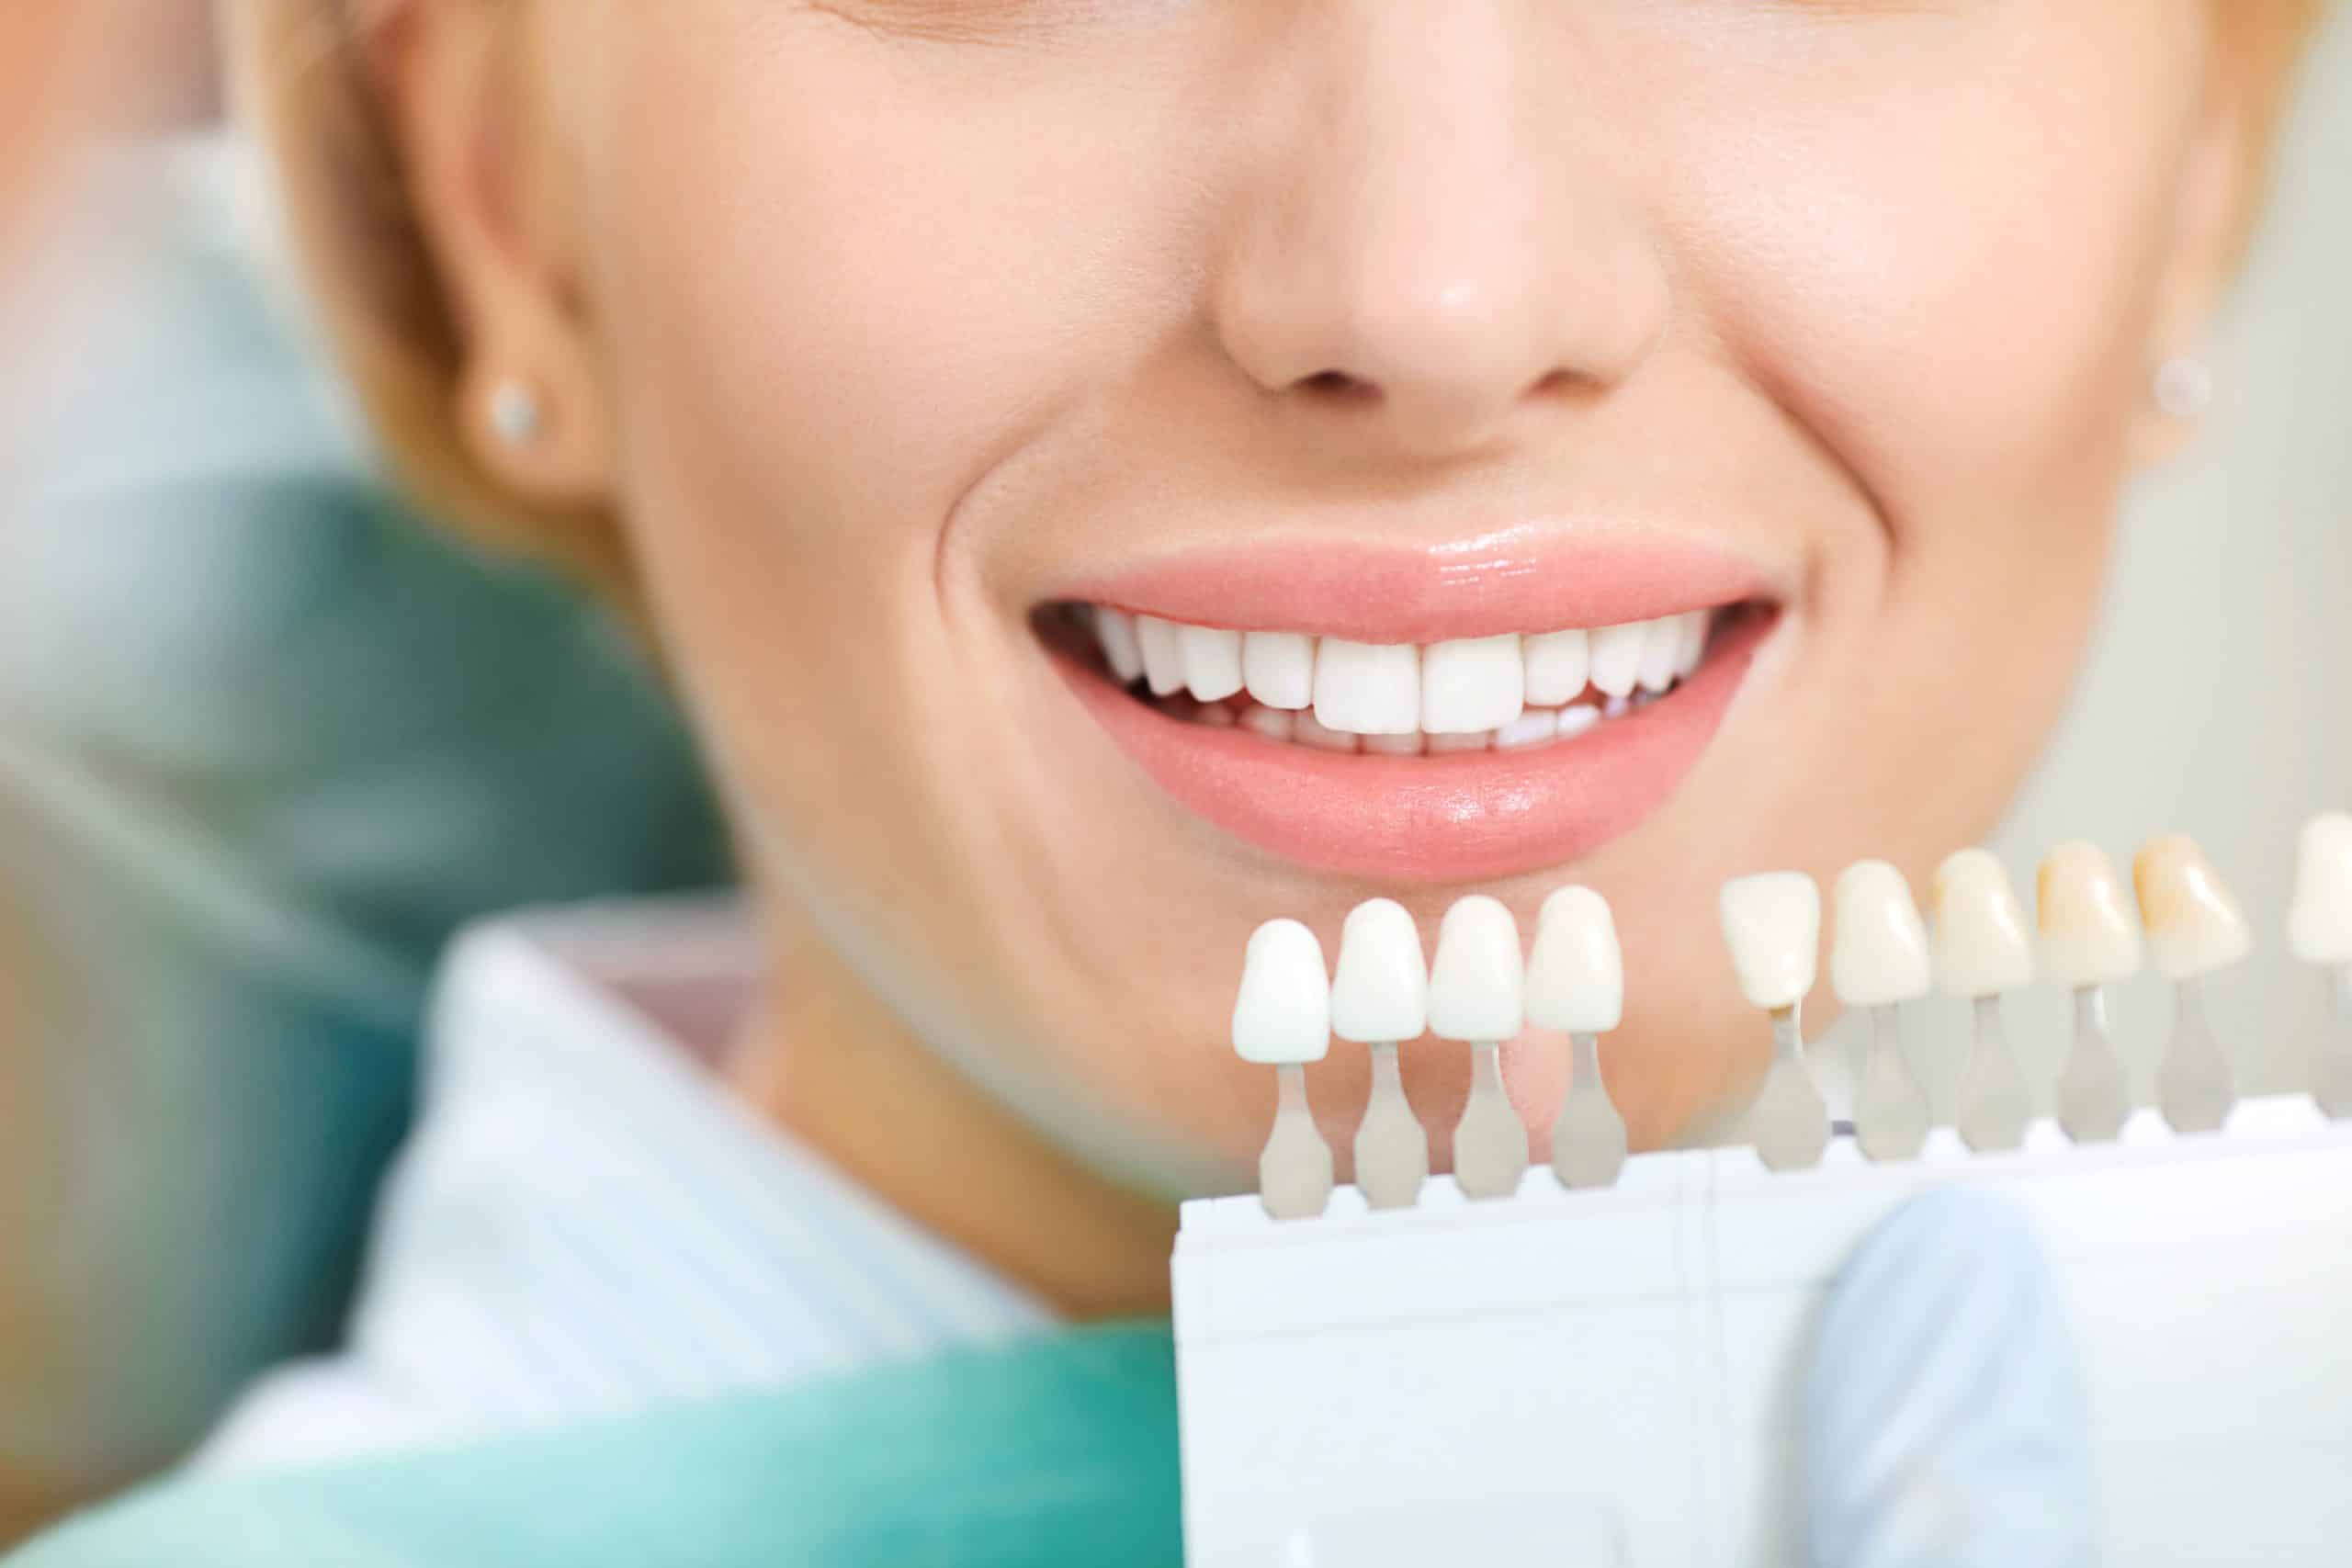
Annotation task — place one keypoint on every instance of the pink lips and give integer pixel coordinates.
(1437, 818)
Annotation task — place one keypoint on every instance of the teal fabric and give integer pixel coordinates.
(1061, 1451)
(265, 740)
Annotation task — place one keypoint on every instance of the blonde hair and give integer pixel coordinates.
(377, 285)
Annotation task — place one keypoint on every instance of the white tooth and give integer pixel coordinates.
(1575, 977)
(1365, 689)
(1272, 723)
(1576, 719)
(1661, 646)
(1478, 981)
(1283, 1015)
(1394, 745)
(1536, 727)
(2090, 932)
(1981, 945)
(1217, 715)
(1443, 745)
(2194, 924)
(1381, 994)
(1616, 708)
(1772, 925)
(1279, 669)
(1163, 655)
(1472, 684)
(1695, 626)
(1308, 730)
(1617, 658)
(1115, 630)
(1212, 662)
(2319, 922)
(1558, 664)
(1879, 954)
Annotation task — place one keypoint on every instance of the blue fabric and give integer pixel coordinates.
(1945, 1423)
(1061, 1451)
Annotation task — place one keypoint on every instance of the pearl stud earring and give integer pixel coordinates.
(517, 415)
(2184, 386)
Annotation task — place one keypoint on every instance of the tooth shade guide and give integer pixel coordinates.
(2094, 1091)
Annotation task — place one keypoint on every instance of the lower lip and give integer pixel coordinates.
(1430, 819)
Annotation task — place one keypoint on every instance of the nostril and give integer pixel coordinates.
(1339, 387)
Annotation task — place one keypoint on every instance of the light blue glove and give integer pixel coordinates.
(1944, 1419)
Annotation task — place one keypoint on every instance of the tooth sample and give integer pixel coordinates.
(1617, 659)
(1772, 926)
(1380, 999)
(1115, 630)
(1477, 988)
(2091, 939)
(1661, 647)
(1693, 651)
(1282, 1019)
(1471, 684)
(1981, 950)
(1879, 961)
(1366, 689)
(1279, 669)
(2319, 930)
(2195, 928)
(1575, 982)
(1558, 665)
(1163, 655)
(1212, 662)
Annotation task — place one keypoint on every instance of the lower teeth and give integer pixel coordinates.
(1535, 727)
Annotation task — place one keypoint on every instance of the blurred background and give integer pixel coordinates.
(265, 740)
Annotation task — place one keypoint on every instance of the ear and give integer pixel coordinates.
(452, 74)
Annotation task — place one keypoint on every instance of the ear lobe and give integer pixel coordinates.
(451, 75)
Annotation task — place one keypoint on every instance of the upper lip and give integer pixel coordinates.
(1525, 578)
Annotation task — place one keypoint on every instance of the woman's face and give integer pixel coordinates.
(920, 327)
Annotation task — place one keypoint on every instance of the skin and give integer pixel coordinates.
(875, 322)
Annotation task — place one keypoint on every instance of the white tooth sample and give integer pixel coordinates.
(1115, 630)
(1379, 997)
(1472, 684)
(1981, 946)
(1283, 1015)
(1695, 626)
(2091, 938)
(1307, 731)
(2319, 921)
(1478, 988)
(1535, 727)
(1661, 646)
(1366, 689)
(1878, 960)
(1576, 975)
(2090, 933)
(1617, 658)
(1212, 662)
(1281, 1018)
(2195, 926)
(1576, 719)
(1163, 655)
(1557, 666)
(1279, 669)
(1772, 926)
(1394, 745)
(1272, 723)
(1981, 949)
(1439, 745)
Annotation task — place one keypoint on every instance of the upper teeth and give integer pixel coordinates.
(1471, 686)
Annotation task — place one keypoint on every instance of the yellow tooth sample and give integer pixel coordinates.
(1981, 948)
(2090, 930)
(2195, 926)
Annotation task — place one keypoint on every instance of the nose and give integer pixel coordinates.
(1429, 245)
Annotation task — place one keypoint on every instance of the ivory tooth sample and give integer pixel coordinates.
(1575, 983)
(2091, 939)
(1282, 1020)
(1477, 986)
(1380, 998)
(1878, 962)
(1981, 950)
(1772, 926)
(2319, 930)
(2195, 929)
